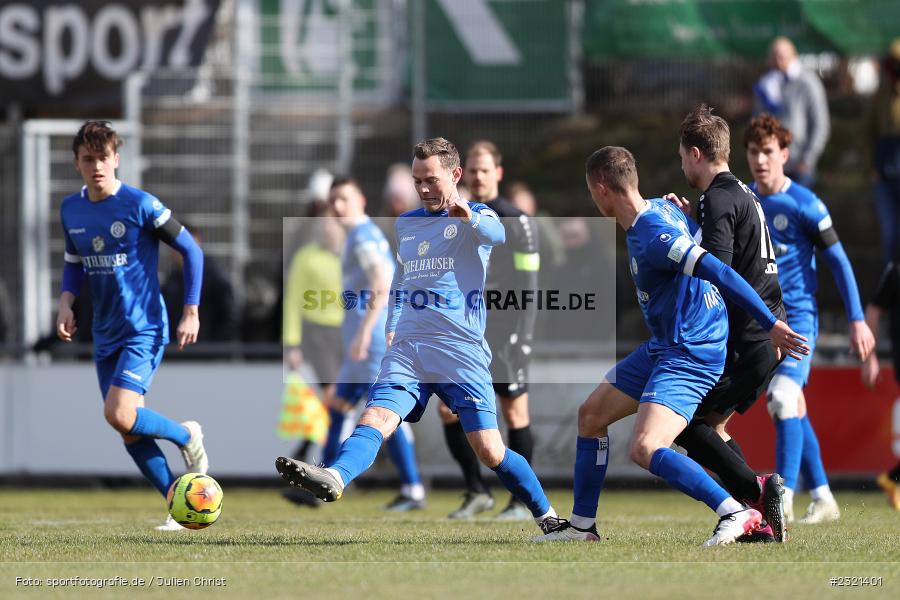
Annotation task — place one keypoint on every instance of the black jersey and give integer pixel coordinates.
(513, 267)
(887, 298)
(733, 229)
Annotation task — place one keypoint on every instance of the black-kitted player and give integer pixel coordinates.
(733, 228)
(886, 300)
(513, 267)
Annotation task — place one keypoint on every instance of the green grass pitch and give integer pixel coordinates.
(264, 547)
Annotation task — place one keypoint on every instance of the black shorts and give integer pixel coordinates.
(509, 368)
(748, 369)
(323, 348)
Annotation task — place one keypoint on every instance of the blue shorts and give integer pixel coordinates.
(677, 378)
(132, 366)
(798, 370)
(352, 392)
(412, 371)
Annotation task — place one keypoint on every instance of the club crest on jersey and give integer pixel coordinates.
(665, 237)
(450, 232)
(423, 248)
(98, 244)
(157, 205)
(117, 229)
(780, 222)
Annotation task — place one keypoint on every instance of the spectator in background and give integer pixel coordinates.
(883, 130)
(796, 97)
(399, 196)
(217, 304)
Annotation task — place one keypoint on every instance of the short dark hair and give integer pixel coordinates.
(707, 132)
(97, 136)
(765, 126)
(486, 146)
(444, 149)
(614, 167)
(340, 180)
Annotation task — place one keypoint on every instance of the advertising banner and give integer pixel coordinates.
(55, 53)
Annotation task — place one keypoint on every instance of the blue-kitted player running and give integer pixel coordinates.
(665, 378)
(800, 224)
(435, 334)
(367, 269)
(112, 233)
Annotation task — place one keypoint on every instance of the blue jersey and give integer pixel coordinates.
(114, 239)
(437, 294)
(797, 220)
(678, 309)
(366, 246)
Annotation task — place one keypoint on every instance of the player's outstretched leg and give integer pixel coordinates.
(823, 508)
(357, 454)
(402, 449)
(333, 441)
(656, 427)
(477, 497)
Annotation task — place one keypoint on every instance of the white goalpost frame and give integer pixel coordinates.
(38, 300)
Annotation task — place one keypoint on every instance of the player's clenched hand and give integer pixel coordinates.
(787, 341)
(188, 327)
(65, 323)
(870, 370)
(862, 342)
(457, 207)
(681, 202)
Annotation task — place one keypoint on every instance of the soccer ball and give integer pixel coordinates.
(195, 500)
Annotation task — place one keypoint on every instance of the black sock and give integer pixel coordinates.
(736, 448)
(705, 446)
(895, 473)
(522, 442)
(302, 450)
(464, 455)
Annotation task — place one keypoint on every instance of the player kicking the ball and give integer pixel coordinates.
(435, 334)
(665, 378)
(112, 233)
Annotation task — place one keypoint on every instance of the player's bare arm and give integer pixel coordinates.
(188, 326)
(65, 319)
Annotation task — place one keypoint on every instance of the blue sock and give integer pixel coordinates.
(788, 449)
(403, 453)
(333, 442)
(152, 462)
(811, 458)
(358, 452)
(150, 423)
(591, 458)
(518, 477)
(685, 475)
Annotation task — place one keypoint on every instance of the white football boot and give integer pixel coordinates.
(170, 525)
(733, 526)
(194, 454)
(560, 530)
(821, 511)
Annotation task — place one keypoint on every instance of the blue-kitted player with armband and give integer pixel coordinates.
(665, 379)
(435, 335)
(800, 224)
(112, 233)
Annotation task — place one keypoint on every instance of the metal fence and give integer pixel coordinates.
(291, 86)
